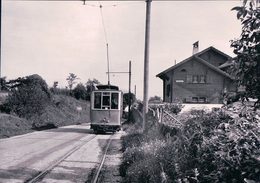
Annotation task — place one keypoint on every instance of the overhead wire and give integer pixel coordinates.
(113, 5)
(104, 29)
(103, 23)
(105, 34)
(100, 6)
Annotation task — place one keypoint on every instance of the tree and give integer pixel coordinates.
(91, 86)
(29, 96)
(71, 80)
(246, 65)
(80, 91)
(3, 85)
(126, 99)
(54, 89)
(55, 84)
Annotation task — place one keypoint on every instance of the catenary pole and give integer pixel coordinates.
(108, 73)
(146, 61)
(129, 92)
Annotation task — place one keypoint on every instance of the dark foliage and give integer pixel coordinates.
(60, 91)
(155, 99)
(91, 86)
(29, 96)
(80, 92)
(126, 97)
(208, 147)
(71, 80)
(247, 48)
(3, 84)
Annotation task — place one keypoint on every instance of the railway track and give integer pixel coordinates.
(38, 177)
(95, 179)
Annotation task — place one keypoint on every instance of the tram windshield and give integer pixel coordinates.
(106, 100)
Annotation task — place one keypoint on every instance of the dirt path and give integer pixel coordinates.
(110, 171)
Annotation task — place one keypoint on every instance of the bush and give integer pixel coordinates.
(12, 125)
(208, 147)
(143, 163)
(29, 96)
(172, 108)
(80, 92)
(132, 140)
(60, 91)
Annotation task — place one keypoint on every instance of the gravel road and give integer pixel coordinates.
(22, 157)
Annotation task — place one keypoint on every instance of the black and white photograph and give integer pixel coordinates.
(142, 91)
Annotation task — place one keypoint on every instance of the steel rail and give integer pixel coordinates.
(41, 175)
(102, 161)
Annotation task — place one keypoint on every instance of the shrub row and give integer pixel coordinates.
(208, 147)
(31, 99)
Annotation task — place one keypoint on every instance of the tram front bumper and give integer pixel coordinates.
(105, 127)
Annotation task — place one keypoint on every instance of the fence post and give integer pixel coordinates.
(161, 116)
(158, 114)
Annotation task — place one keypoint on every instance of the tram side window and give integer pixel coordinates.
(114, 101)
(97, 101)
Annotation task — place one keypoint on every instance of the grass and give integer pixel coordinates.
(11, 125)
(61, 112)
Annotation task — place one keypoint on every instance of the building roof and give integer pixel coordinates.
(226, 64)
(196, 56)
(216, 50)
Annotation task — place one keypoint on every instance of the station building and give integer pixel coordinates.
(201, 78)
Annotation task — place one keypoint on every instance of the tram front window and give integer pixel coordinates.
(97, 101)
(114, 101)
(106, 102)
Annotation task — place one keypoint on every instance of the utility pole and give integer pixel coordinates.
(146, 61)
(1, 40)
(129, 91)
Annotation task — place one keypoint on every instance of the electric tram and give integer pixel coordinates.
(106, 109)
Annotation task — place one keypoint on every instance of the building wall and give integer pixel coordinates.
(182, 89)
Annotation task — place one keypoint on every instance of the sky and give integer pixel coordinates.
(55, 38)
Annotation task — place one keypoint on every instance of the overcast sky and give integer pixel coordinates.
(53, 39)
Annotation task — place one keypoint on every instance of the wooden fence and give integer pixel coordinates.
(162, 115)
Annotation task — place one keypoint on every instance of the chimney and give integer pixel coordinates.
(195, 48)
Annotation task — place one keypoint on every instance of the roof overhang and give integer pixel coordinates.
(162, 75)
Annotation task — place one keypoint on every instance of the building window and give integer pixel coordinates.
(195, 79)
(202, 100)
(202, 79)
(189, 78)
(183, 70)
(195, 99)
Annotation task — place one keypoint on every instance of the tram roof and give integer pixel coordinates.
(107, 87)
